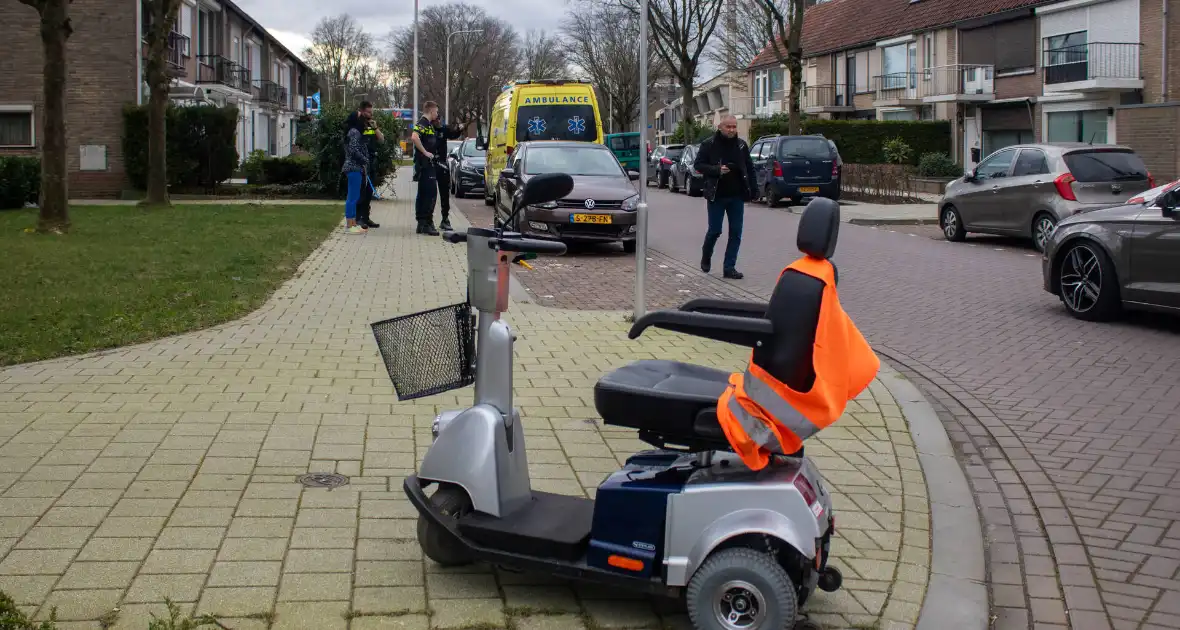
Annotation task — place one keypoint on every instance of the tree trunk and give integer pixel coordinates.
(157, 183)
(795, 66)
(686, 98)
(55, 29)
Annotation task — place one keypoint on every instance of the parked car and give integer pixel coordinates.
(1026, 190)
(685, 178)
(796, 168)
(660, 161)
(1102, 260)
(601, 207)
(467, 163)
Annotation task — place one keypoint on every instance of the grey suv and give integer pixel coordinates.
(1026, 190)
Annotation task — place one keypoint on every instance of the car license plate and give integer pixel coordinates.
(601, 219)
(809, 189)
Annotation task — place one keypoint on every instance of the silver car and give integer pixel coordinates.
(1026, 190)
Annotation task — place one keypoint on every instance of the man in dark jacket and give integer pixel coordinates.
(426, 146)
(724, 160)
(362, 119)
(442, 133)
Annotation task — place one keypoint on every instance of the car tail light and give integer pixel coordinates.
(1063, 186)
(835, 170)
(778, 169)
(804, 487)
(665, 161)
(1150, 181)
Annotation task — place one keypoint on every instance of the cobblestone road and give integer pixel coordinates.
(1068, 429)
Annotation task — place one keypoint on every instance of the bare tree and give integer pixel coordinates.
(740, 35)
(542, 56)
(479, 61)
(161, 19)
(55, 30)
(784, 31)
(339, 49)
(681, 31)
(601, 44)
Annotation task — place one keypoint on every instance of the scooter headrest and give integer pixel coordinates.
(819, 228)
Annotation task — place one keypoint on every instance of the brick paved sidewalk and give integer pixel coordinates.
(168, 469)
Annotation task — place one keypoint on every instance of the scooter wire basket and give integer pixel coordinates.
(430, 352)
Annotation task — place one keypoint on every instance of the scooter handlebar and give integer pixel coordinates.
(529, 246)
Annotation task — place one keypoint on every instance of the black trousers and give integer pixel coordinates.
(443, 175)
(364, 205)
(427, 195)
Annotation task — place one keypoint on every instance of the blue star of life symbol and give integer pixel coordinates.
(577, 125)
(536, 125)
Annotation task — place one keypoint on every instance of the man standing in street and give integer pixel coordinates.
(442, 133)
(426, 147)
(724, 160)
(362, 119)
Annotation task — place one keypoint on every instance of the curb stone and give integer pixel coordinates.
(956, 594)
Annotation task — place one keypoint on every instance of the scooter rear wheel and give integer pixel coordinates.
(741, 588)
(452, 502)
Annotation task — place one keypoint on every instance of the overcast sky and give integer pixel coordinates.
(291, 21)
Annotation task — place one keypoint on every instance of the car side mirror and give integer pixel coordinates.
(1167, 205)
(455, 153)
(481, 143)
(545, 188)
(970, 176)
(507, 173)
(634, 175)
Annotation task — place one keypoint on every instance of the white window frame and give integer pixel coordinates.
(22, 109)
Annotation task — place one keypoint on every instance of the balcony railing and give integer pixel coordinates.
(1096, 60)
(177, 50)
(825, 96)
(898, 86)
(270, 92)
(957, 80)
(218, 69)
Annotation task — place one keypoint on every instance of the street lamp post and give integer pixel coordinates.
(641, 209)
(447, 76)
(414, 118)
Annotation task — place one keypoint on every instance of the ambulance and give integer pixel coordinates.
(538, 110)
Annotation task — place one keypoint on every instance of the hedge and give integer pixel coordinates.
(863, 141)
(324, 139)
(279, 171)
(20, 181)
(202, 145)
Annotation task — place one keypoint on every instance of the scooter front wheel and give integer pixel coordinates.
(438, 545)
(741, 588)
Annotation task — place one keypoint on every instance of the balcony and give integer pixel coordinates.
(1093, 67)
(177, 50)
(822, 99)
(958, 83)
(270, 92)
(898, 89)
(215, 69)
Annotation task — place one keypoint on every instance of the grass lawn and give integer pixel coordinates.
(126, 275)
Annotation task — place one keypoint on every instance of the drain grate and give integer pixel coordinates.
(322, 480)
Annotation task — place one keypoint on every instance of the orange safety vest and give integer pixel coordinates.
(761, 416)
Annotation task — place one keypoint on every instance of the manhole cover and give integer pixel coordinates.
(322, 480)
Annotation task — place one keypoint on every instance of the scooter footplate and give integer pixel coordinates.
(550, 526)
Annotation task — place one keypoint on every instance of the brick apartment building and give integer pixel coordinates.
(1001, 71)
(220, 56)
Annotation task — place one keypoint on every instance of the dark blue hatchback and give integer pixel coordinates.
(796, 168)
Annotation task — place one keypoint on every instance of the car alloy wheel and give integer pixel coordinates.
(952, 224)
(1043, 227)
(1081, 279)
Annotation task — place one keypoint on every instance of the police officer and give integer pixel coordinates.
(426, 148)
(363, 119)
(442, 133)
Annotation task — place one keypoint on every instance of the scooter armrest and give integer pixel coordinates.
(742, 331)
(734, 308)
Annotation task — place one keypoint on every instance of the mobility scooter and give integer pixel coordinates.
(743, 548)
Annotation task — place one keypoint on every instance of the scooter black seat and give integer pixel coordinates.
(667, 401)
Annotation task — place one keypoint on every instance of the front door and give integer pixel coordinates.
(1023, 194)
(971, 140)
(1155, 253)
